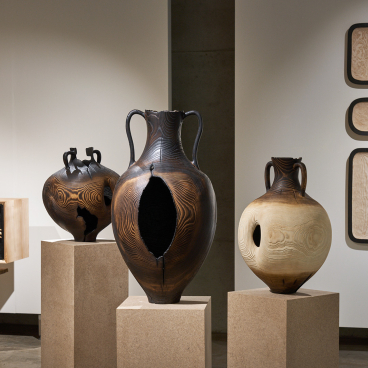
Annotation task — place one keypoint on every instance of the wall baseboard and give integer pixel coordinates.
(19, 319)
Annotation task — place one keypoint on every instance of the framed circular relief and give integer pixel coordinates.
(358, 116)
(357, 62)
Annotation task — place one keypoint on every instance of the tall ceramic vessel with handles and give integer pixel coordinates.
(164, 209)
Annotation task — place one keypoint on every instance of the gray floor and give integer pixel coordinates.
(25, 352)
(19, 352)
(351, 356)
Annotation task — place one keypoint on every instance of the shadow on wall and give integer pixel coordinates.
(6, 283)
(349, 242)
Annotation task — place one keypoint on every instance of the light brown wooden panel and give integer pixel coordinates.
(360, 196)
(359, 54)
(16, 229)
(360, 116)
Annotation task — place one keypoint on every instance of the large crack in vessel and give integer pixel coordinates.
(89, 219)
(157, 217)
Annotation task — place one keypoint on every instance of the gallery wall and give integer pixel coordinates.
(69, 73)
(291, 100)
(203, 70)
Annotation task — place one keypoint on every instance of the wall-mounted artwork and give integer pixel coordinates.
(358, 196)
(357, 62)
(358, 116)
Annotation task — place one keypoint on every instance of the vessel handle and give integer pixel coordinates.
(304, 176)
(73, 153)
(90, 151)
(267, 175)
(198, 137)
(129, 134)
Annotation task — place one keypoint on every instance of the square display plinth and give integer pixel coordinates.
(82, 284)
(267, 330)
(164, 335)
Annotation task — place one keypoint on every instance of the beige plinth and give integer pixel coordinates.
(164, 335)
(267, 330)
(82, 285)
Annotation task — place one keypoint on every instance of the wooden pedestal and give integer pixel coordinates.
(164, 335)
(82, 284)
(267, 330)
(14, 229)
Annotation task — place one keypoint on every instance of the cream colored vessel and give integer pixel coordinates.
(285, 235)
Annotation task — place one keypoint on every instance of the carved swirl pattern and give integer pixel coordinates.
(359, 54)
(79, 188)
(360, 116)
(164, 278)
(286, 176)
(305, 238)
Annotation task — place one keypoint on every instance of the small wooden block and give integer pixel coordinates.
(164, 335)
(267, 330)
(14, 229)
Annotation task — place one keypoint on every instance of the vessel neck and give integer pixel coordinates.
(286, 174)
(163, 135)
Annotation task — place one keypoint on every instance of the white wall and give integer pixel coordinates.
(70, 71)
(291, 100)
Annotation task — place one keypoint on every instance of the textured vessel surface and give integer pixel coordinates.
(78, 197)
(285, 235)
(164, 210)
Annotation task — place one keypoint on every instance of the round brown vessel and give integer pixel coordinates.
(164, 209)
(78, 197)
(285, 235)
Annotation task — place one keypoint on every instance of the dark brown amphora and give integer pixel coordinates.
(78, 197)
(164, 209)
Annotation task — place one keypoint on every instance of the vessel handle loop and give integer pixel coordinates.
(98, 153)
(267, 175)
(304, 176)
(198, 137)
(73, 153)
(90, 151)
(129, 134)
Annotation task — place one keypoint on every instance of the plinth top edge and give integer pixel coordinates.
(75, 243)
(266, 293)
(186, 303)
